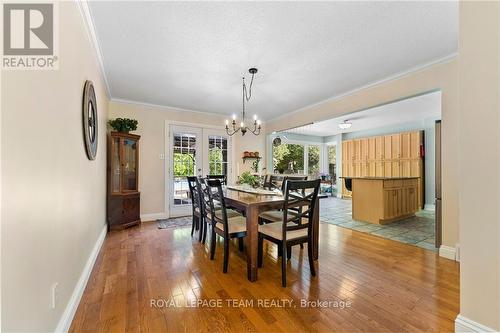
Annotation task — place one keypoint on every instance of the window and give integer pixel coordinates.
(332, 158)
(217, 155)
(313, 160)
(184, 165)
(288, 158)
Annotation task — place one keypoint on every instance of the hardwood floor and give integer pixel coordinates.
(391, 286)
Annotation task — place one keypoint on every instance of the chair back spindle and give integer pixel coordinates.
(300, 196)
(216, 195)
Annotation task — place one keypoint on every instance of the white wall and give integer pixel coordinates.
(479, 165)
(55, 207)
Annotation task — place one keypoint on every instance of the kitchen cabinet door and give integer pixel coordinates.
(379, 169)
(364, 149)
(379, 147)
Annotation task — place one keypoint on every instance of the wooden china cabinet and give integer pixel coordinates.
(123, 206)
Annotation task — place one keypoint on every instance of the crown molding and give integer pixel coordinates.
(394, 77)
(86, 13)
(164, 107)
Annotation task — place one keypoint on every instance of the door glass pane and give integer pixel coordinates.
(116, 165)
(184, 164)
(129, 165)
(313, 161)
(217, 155)
(288, 158)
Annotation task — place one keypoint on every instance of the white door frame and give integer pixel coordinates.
(168, 159)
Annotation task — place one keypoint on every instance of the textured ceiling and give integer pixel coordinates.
(192, 54)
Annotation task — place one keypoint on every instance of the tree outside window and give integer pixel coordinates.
(217, 155)
(288, 158)
(332, 158)
(313, 161)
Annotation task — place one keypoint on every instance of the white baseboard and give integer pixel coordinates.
(430, 207)
(153, 217)
(68, 314)
(466, 325)
(448, 252)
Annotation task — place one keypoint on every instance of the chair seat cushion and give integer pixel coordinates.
(229, 212)
(235, 224)
(276, 215)
(275, 230)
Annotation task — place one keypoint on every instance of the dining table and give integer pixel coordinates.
(252, 203)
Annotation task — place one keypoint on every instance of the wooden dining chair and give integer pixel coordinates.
(222, 178)
(196, 207)
(265, 181)
(276, 215)
(291, 229)
(274, 182)
(222, 225)
(206, 208)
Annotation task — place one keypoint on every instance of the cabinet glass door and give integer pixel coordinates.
(129, 165)
(115, 166)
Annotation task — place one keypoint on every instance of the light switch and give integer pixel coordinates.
(162, 156)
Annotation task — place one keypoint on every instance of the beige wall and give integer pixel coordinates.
(53, 207)
(152, 170)
(479, 80)
(441, 76)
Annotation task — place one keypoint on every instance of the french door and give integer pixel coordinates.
(194, 151)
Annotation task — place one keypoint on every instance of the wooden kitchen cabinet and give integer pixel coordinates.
(389, 156)
(383, 200)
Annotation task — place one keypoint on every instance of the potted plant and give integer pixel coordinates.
(123, 125)
(246, 178)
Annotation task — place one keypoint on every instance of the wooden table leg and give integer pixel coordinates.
(315, 230)
(251, 241)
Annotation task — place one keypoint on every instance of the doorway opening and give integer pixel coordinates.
(396, 146)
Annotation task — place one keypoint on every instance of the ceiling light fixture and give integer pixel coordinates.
(345, 124)
(246, 97)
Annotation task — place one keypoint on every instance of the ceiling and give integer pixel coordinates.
(192, 55)
(406, 111)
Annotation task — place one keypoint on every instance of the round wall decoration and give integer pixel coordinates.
(90, 122)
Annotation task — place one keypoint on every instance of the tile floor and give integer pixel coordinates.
(417, 230)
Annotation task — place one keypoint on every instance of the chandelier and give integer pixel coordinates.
(247, 94)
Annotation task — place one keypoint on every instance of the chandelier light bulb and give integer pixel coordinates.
(227, 122)
(234, 117)
(242, 125)
(258, 122)
(254, 117)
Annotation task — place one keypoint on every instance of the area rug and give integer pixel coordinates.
(175, 222)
